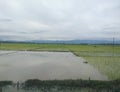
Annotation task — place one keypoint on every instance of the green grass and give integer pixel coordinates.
(94, 48)
(109, 66)
(61, 47)
(22, 46)
(105, 58)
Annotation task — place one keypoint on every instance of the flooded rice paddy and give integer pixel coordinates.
(23, 65)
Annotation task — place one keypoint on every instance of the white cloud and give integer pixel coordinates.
(59, 19)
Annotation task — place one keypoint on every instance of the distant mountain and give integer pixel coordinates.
(70, 41)
(77, 41)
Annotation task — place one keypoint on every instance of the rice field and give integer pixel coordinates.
(106, 58)
(109, 66)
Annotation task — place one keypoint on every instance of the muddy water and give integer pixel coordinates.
(22, 65)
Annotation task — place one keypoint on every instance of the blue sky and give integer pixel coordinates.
(59, 19)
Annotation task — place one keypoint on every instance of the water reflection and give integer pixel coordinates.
(23, 65)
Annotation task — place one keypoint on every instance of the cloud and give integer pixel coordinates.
(59, 19)
(5, 20)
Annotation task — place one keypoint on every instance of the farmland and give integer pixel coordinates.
(106, 58)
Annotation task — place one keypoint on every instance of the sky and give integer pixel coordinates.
(59, 19)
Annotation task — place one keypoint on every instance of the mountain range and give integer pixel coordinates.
(69, 41)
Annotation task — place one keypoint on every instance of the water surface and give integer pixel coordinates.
(23, 65)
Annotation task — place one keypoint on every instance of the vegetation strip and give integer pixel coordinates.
(36, 84)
